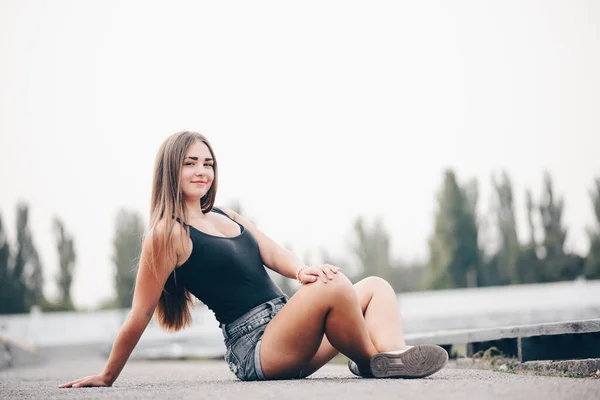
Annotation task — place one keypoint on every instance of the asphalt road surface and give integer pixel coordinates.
(213, 380)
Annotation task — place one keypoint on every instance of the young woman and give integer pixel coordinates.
(194, 248)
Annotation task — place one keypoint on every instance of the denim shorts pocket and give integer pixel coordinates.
(234, 363)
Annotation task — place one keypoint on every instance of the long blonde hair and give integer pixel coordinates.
(173, 309)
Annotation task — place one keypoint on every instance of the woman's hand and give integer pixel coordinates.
(88, 381)
(324, 272)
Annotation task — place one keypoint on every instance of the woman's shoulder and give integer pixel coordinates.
(157, 243)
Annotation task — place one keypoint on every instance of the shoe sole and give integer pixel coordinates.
(416, 362)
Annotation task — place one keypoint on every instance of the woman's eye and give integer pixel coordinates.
(189, 163)
(208, 165)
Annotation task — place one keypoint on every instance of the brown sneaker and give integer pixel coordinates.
(412, 362)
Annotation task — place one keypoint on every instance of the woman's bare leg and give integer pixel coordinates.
(380, 308)
(293, 337)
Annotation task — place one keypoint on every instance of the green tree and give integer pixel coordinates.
(372, 249)
(29, 260)
(556, 265)
(6, 284)
(23, 272)
(454, 255)
(509, 249)
(528, 264)
(592, 263)
(66, 261)
(551, 211)
(127, 248)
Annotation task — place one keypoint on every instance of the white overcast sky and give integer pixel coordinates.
(319, 111)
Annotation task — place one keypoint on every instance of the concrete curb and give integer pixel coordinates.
(587, 368)
(572, 340)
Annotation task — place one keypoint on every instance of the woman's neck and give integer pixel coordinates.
(193, 209)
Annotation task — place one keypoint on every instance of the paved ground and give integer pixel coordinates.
(213, 380)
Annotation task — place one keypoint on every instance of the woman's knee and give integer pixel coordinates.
(339, 285)
(376, 284)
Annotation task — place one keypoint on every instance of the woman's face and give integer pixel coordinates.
(197, 172)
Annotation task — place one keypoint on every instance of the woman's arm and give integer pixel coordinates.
(148, 288)
(280, 259)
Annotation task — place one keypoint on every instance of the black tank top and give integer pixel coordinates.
(226, 273)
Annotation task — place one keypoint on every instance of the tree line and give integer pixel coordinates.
(456, 255)
(457, 258)
(21, 270)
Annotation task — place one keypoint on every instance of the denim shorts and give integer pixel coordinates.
(243, 338)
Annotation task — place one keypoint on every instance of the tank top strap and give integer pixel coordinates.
(178, 220)
(183, 224)
(219, 211)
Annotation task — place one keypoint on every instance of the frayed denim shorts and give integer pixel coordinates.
(243, 338)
